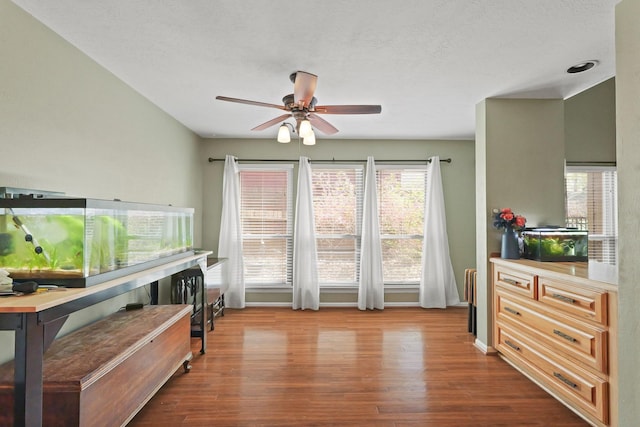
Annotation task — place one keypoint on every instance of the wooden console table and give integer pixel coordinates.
(37, 318)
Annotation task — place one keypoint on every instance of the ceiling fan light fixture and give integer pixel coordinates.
(309, 139)
(283, 134)
(305, 128)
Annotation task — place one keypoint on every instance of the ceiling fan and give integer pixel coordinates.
(302, 106)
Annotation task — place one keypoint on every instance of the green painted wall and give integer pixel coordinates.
(590, 124)
(67, 124)
(520, 165)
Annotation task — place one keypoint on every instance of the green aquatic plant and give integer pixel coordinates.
(569, 247)
(60, 238)
(108, 244)
(66, 252)
(552, 247)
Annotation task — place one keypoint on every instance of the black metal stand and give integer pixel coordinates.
(187, 287)
(153, 292)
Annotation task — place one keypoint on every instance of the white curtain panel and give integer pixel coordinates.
(438, 287)
(371, 288)
(306, 290)
(230, 243)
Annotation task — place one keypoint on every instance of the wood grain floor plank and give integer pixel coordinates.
(401, 367)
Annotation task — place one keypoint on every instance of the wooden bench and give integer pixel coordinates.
(104, 373)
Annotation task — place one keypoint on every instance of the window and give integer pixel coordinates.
(337, 204)
(267, 222)
(591, 204)
(401, 193)
(266, 216)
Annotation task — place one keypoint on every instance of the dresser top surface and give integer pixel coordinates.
(597, 274)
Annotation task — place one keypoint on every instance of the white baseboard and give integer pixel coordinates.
(342, 304)
(484, 348)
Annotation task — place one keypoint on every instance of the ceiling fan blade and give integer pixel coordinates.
(245, 101)
(272, 122)
(348, 109)
(322, 125)
(304, 87)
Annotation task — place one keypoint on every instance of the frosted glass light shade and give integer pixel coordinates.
(309, 139)
(283, 134)
(305, 128)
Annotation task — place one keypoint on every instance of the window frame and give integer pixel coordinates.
(357, 237)
(288, 236)
(416, 237)
(608, 211)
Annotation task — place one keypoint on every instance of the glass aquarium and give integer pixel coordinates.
(555, 244)
(82, 242)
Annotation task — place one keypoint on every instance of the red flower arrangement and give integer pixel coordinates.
(505, 218)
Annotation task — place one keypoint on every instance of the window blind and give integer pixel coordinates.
(591, 204)
(337, 204)
(267, 227)
(401, 193)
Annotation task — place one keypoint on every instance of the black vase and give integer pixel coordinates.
(510, 248)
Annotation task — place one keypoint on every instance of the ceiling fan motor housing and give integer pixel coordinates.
(289, 102)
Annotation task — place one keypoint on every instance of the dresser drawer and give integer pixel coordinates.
(516, 281)
(580, 302)
(581, 341)
(579, 387)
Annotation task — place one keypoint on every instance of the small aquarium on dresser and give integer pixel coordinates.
(79, 242)
(555, 244)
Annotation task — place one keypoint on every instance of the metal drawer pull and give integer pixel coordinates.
(563, 298)
(565, 380)
(512, 311)
(565, 336)
(514, 282)
(512, 345)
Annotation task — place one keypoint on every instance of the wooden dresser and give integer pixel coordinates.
(556, 323)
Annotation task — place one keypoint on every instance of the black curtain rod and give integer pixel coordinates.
(211, 160)
(591, 163)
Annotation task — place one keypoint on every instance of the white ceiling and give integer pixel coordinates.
(427, 62)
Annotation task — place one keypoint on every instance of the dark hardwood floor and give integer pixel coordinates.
(399, 367)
